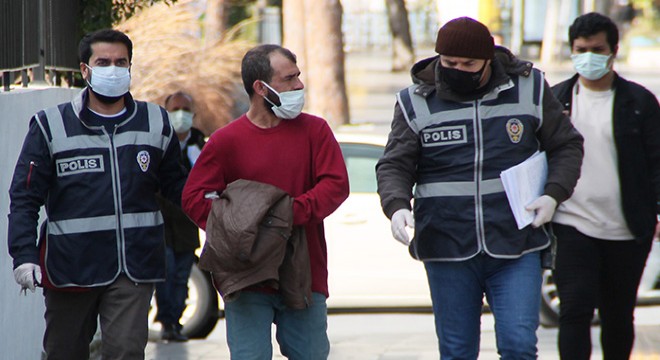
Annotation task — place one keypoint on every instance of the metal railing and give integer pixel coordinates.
(37, 36)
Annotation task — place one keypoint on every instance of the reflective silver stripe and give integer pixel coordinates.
(458, 188)
(60, 144)
(77, 103)
(507, 110)
(101, 141)
(155, 118)
(43, 131)
(525, 106)
(443, 116)
(526, 90)
(418, 103)
(55, 122)
(410, 122)
(146, 219)
(56, 125)
(104, 223)
(141, 138)
(156, 123)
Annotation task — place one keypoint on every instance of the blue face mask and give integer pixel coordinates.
(591, 66)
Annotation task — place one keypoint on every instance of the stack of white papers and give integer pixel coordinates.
(523, 184)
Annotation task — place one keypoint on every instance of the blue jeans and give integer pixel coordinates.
(301, 334)
(171, 295)
(513, 291)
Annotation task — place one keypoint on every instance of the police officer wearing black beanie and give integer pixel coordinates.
(473, 111)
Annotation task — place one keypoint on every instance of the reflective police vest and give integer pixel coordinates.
(460, 206)
(103, 218)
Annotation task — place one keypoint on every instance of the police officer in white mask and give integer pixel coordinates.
(95, 164)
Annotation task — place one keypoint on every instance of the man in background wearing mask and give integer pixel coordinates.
(605, 230)
(181, 234)
(276, 144)
(474, 111)
(96, 164)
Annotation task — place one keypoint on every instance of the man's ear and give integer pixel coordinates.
(83, 70)
(259, 88)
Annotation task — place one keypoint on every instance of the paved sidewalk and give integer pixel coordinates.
(404, 337)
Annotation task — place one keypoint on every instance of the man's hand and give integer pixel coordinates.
(400, 219)
(656, 236)
(544, 207)
(28, 275)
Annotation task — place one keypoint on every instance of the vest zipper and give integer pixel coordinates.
(478, 161)
(118, 207)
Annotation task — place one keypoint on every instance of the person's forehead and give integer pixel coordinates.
(179, 101)
(598, 38)
(282, 65)
(112, 50)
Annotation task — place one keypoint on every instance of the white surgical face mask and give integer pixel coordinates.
(291, 103)
(111, 81)
(591, 66)
(181, 120)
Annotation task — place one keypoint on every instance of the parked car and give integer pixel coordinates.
(368, 269)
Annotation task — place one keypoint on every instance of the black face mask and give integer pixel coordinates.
(107, 99)
(461, 82)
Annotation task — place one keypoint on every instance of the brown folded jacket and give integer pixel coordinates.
(251, 240)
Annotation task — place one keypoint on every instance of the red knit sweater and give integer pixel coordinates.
(300, 156)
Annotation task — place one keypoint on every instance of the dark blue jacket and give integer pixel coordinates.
(98, 188)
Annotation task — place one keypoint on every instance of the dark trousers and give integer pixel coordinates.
(71, 321)
(598, 274)
(171, 295)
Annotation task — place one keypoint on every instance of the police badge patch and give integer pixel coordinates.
(143, 159)
(514, 128)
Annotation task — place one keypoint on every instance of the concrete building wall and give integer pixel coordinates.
(21, 317)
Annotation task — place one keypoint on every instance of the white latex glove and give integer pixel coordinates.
(400, 219)
(544, 207)
(28, 275)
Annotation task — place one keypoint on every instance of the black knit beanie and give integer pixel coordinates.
(465, 37)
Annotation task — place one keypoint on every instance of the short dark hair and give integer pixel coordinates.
(591, 24)
(256, 64)
(103, 35)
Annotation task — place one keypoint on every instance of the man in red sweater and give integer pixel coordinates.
(277, 144)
